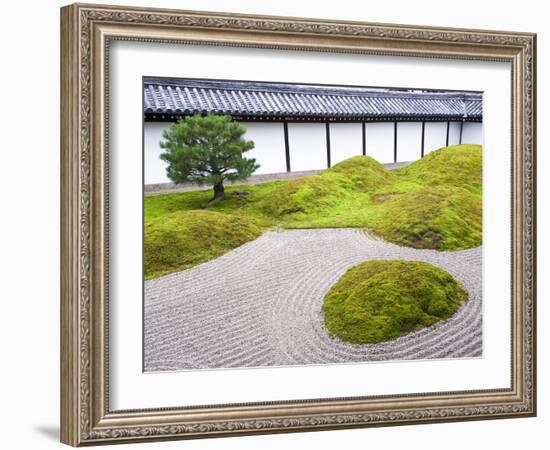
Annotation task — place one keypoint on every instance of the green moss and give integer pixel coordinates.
(435, 202)
(182, 239)
(333, 198)
(360, 173)
(158, 205)
(301, 195)
(381, 300)
(439, 217)
(455, 166)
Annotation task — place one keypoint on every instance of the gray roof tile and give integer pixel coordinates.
(176, 97)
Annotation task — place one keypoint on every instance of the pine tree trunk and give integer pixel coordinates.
(219, 192)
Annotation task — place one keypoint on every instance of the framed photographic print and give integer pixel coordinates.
(278, 224)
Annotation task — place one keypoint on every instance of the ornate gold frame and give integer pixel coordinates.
(86, 31)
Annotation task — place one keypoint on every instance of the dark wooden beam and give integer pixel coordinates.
(395, 142)
(287, 147)
(461, 129)
(423, 139)
(448, 128)
(328, 143)
(364, 128)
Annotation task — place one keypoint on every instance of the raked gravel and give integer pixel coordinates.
(260, 305)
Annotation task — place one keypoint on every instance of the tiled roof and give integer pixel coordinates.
(171, 98)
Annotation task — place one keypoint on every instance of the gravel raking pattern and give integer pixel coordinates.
(260, 305)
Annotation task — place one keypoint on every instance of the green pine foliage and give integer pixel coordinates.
(207, 149)
(381, 300)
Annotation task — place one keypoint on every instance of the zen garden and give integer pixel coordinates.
(354, 263)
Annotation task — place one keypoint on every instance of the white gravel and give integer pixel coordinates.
(260, 305)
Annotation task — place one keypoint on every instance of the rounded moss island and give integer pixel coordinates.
(182, 239)
(381, 300)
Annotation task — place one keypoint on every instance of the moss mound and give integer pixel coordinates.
(434, 203)
(381, 300)
(454, 166)
(182, 239)
(361, 173)
(311, 193)
(301, 195)
(440, 217)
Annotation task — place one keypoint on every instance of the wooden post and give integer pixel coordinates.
(423, 139)
(287, 147)
(364, 139)
(395, 142)
(448, 128)
(328, 144)
(461, 128)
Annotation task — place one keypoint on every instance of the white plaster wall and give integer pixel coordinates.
(435, 136)
(308, 146)
(154, 169)
(409, 141)
(380, 141)
(269, 150)
(454, 133)
(472, 133)
(346, 140)
(307, 142)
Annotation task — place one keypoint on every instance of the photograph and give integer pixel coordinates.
(294, 224)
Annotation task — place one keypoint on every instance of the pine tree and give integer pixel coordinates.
(207, 149)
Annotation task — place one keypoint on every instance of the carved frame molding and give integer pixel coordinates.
(86, 32)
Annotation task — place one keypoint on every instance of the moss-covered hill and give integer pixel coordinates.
(433, 203)
(380, 300)
(182, 239)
